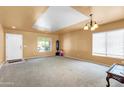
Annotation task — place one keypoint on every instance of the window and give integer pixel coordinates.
(44, 44)
(99, 43)
(115, 44)
(109, 44)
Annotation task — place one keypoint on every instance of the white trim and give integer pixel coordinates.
(38, 57)
(2, 63)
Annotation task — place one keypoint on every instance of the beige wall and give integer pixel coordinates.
(1, 44)
(30, 43)
(78, 44)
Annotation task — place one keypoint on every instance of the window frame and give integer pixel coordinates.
(106, 38)
(50, 39)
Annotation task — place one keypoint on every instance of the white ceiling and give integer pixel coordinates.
(56, 18)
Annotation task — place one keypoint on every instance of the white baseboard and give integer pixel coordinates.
(76, 58)
(2, 63)
(38, 57)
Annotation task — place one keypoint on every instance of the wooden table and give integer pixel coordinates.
(116, 72)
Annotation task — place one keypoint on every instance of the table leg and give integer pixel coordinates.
(108, 83)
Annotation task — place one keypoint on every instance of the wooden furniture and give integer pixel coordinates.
(116, 72)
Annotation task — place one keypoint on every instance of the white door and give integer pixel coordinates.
(14, 46)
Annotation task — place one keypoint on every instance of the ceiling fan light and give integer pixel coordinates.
(95, 25)
(86, 27)
(92, 28)
(92, 25)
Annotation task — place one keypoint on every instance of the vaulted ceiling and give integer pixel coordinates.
(23, 17)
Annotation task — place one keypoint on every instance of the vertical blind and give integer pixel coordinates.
(109, 44)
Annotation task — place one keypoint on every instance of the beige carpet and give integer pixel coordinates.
(54, 72)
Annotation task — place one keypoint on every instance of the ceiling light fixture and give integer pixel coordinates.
(91, 25)
(13, 27)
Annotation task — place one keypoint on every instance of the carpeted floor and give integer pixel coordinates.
(54, 72)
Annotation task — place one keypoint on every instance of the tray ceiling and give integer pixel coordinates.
(56, 18)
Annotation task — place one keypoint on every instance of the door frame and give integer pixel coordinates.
(6, 45)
